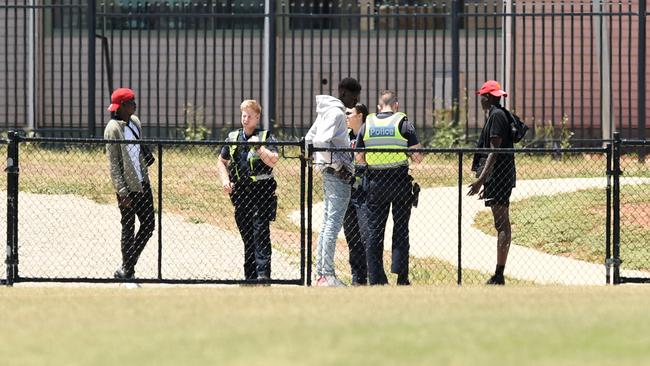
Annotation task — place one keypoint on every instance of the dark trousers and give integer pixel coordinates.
(386, 188)
(132, 246)
(255, 206)
(355, 227)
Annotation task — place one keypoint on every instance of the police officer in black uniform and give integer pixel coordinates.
(355, 224)
(247, 175)
(388, 185)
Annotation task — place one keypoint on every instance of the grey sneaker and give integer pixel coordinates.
(333, 281)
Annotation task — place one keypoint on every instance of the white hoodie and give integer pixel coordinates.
(330, 130)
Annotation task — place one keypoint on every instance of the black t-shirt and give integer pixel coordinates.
(406, 128)
(243, 152)
(497, 124)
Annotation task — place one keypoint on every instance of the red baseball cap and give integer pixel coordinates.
(492, 87)
(120, 96)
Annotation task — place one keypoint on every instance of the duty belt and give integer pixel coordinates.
(259, 177)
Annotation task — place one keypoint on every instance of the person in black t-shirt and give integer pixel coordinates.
(496, 172)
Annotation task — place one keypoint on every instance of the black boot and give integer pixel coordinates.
(403, 280)
(496, 280)
(123, 274)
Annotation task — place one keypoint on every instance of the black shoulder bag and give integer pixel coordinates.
(146, 151)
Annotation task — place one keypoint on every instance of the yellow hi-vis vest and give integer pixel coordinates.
(384, 133)
(257, 169)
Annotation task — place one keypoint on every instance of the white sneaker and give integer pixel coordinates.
(332, 281)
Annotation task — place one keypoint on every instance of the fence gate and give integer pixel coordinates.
(64, 225)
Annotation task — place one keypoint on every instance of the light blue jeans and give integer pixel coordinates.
(337, 197)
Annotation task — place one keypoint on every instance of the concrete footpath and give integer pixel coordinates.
(434, 233)
(71, 236)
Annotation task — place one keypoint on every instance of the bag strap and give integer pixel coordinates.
(485, 133)
(137, 136)
(510, 116)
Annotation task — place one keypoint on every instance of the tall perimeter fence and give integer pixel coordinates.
(576, 71)
(579, 216)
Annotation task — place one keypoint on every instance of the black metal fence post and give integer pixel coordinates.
(460, 218)
(641, 77)
(616, 206)
(270, 41)
(160, 208)
(13, 171)
(310, 198)
(608, 217)
(92, 24)
(455, 61)
(303, 208)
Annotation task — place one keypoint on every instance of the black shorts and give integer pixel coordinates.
(497, 194)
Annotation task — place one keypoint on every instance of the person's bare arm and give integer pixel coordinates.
(360, 157)
(416, 157)
(474, 188)
(269, 157)
(222, 169)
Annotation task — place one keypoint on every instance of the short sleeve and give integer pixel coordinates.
(225, 151)
(407, 129)
(500, 126)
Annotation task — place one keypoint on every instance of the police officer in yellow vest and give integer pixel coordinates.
(247, 176)
(388, 184)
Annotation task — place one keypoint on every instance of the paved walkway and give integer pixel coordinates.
(71, 236)
(434, 233)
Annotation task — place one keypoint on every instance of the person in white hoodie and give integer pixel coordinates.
(330, 131)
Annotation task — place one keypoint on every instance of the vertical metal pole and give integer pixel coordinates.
(460, 218)
(641, 76)
(506, 35)
(92, 20)
(268, 99)
(310, 197)
(600, 33)
(160, 208)
(32, 65)
(455, 60)
(616, 237)
(303, 208)
(608, 217)
(12, 208)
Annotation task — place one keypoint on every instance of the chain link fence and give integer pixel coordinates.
(633, 254)
(68, 221)
(558, 212)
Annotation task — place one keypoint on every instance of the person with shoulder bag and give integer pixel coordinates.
(495, 172)
(128, 164)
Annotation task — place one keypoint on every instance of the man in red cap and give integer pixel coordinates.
(130, 177)
(496, 171)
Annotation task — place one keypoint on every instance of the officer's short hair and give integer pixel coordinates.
(387, 97)
(251, 104)
(351, 85)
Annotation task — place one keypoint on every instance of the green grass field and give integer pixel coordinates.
(572, 224)
(308, 326)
